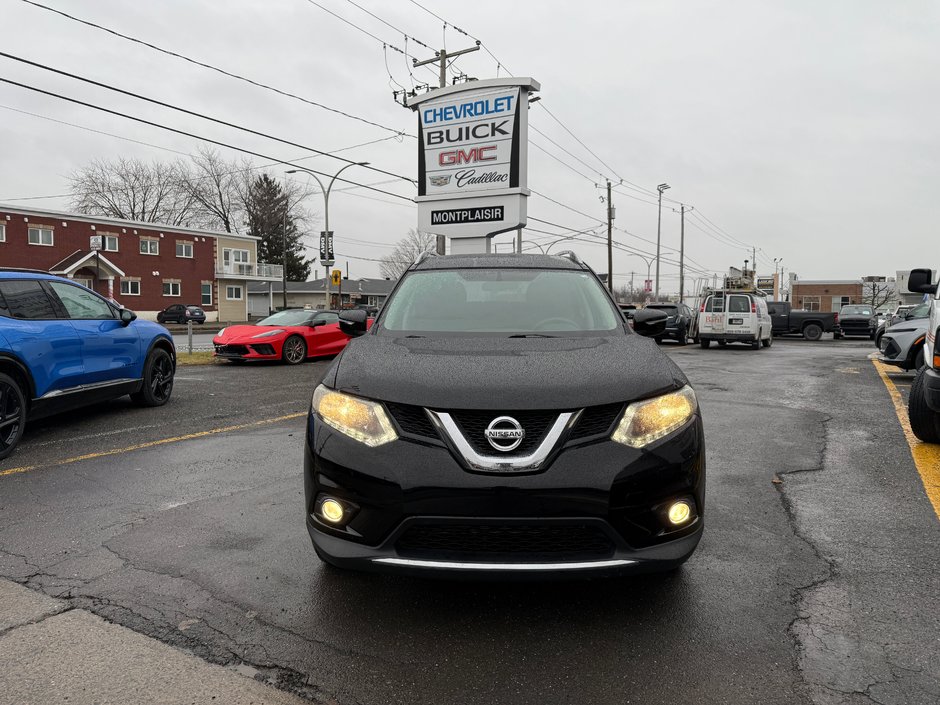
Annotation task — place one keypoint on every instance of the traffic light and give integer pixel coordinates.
(336, 276)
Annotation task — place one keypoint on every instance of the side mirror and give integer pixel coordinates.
(649, 322)
(127, 316)
(318, 322)
(921, 282)
(353, 322)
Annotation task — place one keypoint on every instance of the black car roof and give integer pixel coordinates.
(481, 261)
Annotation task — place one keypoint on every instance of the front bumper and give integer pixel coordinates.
(932, 388)
(597, 509)
(246, 351)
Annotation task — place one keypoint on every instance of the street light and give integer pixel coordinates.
(649, 264)
(326, 217)
(659, 222)
(777, 287)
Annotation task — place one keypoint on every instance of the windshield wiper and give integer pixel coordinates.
(532, 335)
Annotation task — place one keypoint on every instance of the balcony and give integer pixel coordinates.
(244, 270)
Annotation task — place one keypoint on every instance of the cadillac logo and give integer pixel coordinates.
(439, 180)
(504, 433)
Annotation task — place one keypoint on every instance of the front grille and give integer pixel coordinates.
(596, 420)
(264, 349)
(412, 420)
(535, 424)
(514, 541)
(231, 349)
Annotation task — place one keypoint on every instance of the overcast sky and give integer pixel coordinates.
(806, 129)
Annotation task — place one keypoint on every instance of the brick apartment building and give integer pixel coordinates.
(144, 266)
(825, 295)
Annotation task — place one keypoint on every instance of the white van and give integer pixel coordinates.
(734, 317)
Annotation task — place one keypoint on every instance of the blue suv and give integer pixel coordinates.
(63, 346)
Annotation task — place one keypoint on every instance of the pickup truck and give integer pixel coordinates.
(810, 324)
(923, 406)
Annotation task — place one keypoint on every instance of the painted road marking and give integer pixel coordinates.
(152, 444)
(926, 455)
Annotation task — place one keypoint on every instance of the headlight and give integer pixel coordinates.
(219, 334)
(363, 420)
(646, 421)
(266, 334)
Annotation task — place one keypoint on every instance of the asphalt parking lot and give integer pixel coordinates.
(815, 582)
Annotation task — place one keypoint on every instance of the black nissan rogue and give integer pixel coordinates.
(501, 417)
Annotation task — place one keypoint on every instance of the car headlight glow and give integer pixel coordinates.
(361, 419)
(267, 334)
(646, 421)
(219, 334)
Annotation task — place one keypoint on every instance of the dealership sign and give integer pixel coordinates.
(472, 155)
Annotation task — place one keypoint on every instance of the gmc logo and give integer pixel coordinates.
(467, 156)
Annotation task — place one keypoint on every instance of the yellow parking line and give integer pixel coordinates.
(926, 455)
(151, 444)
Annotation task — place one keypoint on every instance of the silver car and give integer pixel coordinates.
(902, 344)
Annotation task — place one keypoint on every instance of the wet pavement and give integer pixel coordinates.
(815, 581)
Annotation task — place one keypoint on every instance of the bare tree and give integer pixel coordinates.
(406, 252)
(134, 190)
(218, 187)
(877, 293)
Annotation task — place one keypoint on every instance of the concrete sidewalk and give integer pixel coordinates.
(50, 653)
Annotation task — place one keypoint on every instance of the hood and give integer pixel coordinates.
(245, 332)
(914, 325)
(505, 374)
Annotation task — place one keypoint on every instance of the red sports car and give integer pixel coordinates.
(292, 335)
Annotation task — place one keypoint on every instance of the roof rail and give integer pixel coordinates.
(24, 269)
(570, 255)
(423, 256)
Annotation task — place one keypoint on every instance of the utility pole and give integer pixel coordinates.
(610, 242)
(284, 251)
(441, 57)
(683, 209)
(659, 223)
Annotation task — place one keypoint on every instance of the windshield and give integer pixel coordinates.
(294, 317)
(500, 301)
(857, 311)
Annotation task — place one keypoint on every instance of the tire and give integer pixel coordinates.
(812, 331)
(925, 423)
(704, 343)
(878, 341)
(683, 337)
(755, 344)
(12, 414)
(919, 359)
(158, 379)
(837, 336)
(722, 343)
(294, 350)
(768, 341)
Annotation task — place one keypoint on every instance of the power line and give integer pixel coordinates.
(192, 112)
(222, 71)
(389, 24)
(189, 134)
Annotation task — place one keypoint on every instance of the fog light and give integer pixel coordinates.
(333, 511)
(679, 512)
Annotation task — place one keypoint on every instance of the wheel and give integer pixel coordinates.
(704, 343)
(12, 414)
(812, 331)
(878, 341)
(925, 423)
(768, 341)
(683, 336)
(722, 343)
(294, 350)
(919, 359)
(755, 344)
(158, 379)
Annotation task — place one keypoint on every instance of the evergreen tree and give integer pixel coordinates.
(266, 203)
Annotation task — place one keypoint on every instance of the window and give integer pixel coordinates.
(184, 249)
(40, 236)
(839, 301)
(130, 287)
(26, 299)
(171, 287)
(739, 304)
(149, 246)
(233, 293)
(109, 242)
(715, 304)
(811, 303)
(81, 303)
(207, 293)
(328, 317)
(3, 232)
(236, 261)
